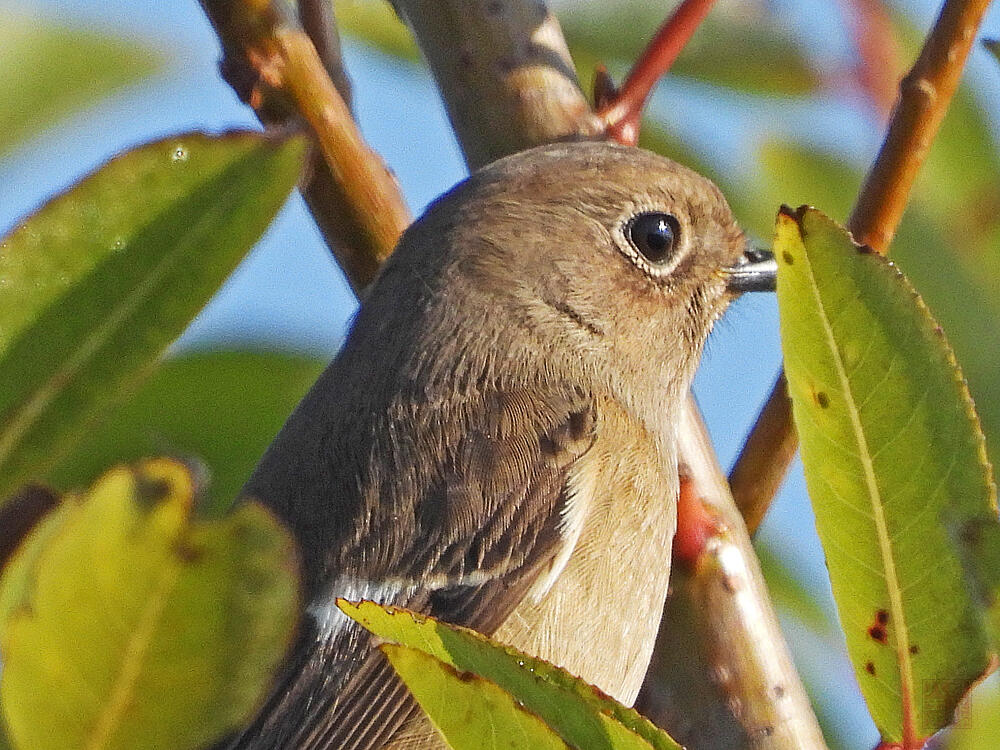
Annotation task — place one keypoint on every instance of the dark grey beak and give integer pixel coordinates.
(757, 271)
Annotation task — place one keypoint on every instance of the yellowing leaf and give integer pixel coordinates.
(126, 625)
(579, 713)
(470, 712)
(892, 450)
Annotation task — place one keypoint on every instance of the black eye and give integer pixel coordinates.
(655, 235)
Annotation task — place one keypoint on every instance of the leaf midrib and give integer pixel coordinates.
(133, 658)
(34, 406)
(897, 622)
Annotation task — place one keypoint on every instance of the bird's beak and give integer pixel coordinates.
(757, 271)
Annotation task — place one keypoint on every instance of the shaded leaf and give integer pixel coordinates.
(99, 281)
(789, 594)
(729, 49)
(796, 174)
(470, 712)
(978, 542)
(222, 407)
(581, 714)
(126, 625)
(49, 71)
(377, 24)
(978, 721)
(890, 443)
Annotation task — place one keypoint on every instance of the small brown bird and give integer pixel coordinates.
(495, 443)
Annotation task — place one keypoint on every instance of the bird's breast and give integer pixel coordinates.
(598, 618)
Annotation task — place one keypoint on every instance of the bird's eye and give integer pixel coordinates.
(654, 235)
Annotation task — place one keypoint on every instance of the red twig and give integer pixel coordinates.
(622, 115)
(877, 70)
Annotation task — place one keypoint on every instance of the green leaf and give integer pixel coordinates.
(979, 546)
(140, 628)
(377, 25)
(49, 71)
(222, 407)
(890, 444)
(470, 712)
(978, 723)
(578, 712)
(99, 281)
(727, 50)
(788, 593)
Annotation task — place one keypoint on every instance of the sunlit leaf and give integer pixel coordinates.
(890, 445)
(578, 712)
(127, 625)
(49, 70)
(99, 281)
(222, 408)
(470, 712)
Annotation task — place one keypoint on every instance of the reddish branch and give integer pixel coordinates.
(877, 68)
(924, 96)
(622, 114)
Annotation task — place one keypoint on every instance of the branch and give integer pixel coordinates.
(725, 677)
(622, 114)
(504, 72)
(272, 64)
(924, 96)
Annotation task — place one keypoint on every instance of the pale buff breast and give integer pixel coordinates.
(599, 618)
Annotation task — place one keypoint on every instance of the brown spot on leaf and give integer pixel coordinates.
(151, 490)
(788, 258)
(187, 552)
(870, 668)
(914, 649)
(20, 513)
(877, 631)
(823, 400)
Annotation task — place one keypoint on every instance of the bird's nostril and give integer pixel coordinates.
(756, 254)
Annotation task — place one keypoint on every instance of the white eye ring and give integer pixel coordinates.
(652, 239)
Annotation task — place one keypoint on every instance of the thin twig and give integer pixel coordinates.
(273, 65)
(877, 67)
(622, 114)
(924, 96)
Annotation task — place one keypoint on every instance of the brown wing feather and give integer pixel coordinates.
(493, 506)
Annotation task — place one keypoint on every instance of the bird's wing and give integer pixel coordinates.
(496, 514)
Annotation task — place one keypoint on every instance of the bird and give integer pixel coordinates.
(494, 445)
